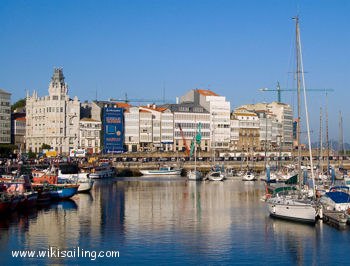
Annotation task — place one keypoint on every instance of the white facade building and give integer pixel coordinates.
(162, 127)
(146, 130)
(53, 119)
(19, 132)
(219, 110)
(284, 115)
(132, 129)
(234, 139)
(249, 130)
(5, 117)
(188, 116)
(89, 134)
(278, 124)
(167, 130)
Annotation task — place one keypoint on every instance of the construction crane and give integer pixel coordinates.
(127, 100)
(187, 149)
(279, 90)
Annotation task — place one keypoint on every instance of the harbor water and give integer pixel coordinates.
(169, 221)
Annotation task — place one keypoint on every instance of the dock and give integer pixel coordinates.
(337, 219)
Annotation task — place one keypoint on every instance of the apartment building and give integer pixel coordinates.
(249, 130)
(187, 117)
(89, 135)
(219, 110)
(5, 117)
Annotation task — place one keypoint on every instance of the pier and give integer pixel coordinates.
(337, 219)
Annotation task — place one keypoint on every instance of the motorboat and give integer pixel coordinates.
(71, 173)
(163, 171)
(104, 170)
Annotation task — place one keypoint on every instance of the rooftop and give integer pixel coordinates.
(206, 92)
(112, 103)
(185, 107)
(4, 92)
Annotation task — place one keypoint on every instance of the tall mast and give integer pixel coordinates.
(266, 136)
(327, 137)
(341, 142)
(307, 119)
(301, 78)
(321, 144)
(297, 47)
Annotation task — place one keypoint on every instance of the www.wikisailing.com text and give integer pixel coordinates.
(54, 252)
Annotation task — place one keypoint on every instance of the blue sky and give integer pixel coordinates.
(232, 47)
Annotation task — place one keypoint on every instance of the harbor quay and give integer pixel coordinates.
(140, 161)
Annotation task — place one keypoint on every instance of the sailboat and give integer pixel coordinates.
(296, 206)
(195, 174)
(249, 175)
(216, 173)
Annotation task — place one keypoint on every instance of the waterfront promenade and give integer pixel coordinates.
(135, 161)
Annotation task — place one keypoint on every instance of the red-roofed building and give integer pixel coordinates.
(219, 110)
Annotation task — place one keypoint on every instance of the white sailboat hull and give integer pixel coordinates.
(161, 172)
(85, 186)
(83, 179)
(216, 176)
(248, 177)
(292, 209)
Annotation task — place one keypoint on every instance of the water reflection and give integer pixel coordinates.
(189, 222)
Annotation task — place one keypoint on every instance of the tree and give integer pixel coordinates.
(31, 155)
(7, 149)
(18, 104)
(45, 146)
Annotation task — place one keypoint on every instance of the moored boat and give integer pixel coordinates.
(102, 171)
(216, 176)
(248, 176)
(73, 174)
(291, 208)
(337, 199)
(29, 200)
(57, 190)
(163, 171)
(44, 176)
(298, 206)
(194, 175)
(44, 194)
(63, 191)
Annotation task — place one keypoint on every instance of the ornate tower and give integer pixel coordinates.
(57, 85)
